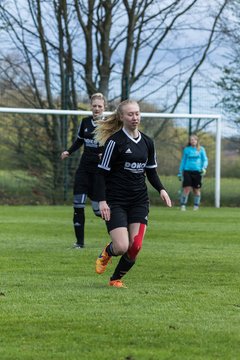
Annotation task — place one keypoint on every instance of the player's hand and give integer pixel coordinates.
(179, 175)
(165, 197)
(104, 210)
(203, 172)
(64, 155)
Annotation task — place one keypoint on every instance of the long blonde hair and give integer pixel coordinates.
(194, 136)
(111, 124)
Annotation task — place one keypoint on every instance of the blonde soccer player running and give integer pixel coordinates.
(128, 157)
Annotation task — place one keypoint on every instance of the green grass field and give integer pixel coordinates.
(182, 301)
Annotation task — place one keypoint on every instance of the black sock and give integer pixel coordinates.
(109, 250)
(78, 223)
(124, 265)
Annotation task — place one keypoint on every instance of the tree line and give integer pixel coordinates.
(56, 53)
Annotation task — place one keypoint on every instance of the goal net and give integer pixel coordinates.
(33, 139)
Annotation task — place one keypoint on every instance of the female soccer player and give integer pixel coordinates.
(128, 156)
(85, 177)
(193, 166)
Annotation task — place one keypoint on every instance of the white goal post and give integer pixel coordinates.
(215, 117)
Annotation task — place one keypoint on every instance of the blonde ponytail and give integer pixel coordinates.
(105, 128)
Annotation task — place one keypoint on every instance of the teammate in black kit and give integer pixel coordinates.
(85, 177)
(128, 157)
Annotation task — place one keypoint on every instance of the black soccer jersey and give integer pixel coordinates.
(124, 162)
(91, 151)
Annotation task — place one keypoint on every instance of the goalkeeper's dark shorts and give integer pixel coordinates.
(192, 179)
(123, 216)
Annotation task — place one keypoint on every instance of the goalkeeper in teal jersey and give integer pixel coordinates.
(192, 168)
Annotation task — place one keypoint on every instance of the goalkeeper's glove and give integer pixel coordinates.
(203, 172)
(179, 176)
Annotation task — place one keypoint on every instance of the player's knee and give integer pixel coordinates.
(119, 247)
(137, 243)
(95, 208)
(79, 201)
(121, 250)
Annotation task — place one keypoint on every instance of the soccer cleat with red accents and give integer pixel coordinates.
(117, 284)
(102, 261)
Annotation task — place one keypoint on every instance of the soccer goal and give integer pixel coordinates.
(170, 132)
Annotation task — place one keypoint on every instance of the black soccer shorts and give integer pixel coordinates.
(192, 179)
(123, 216)
(85, 183)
